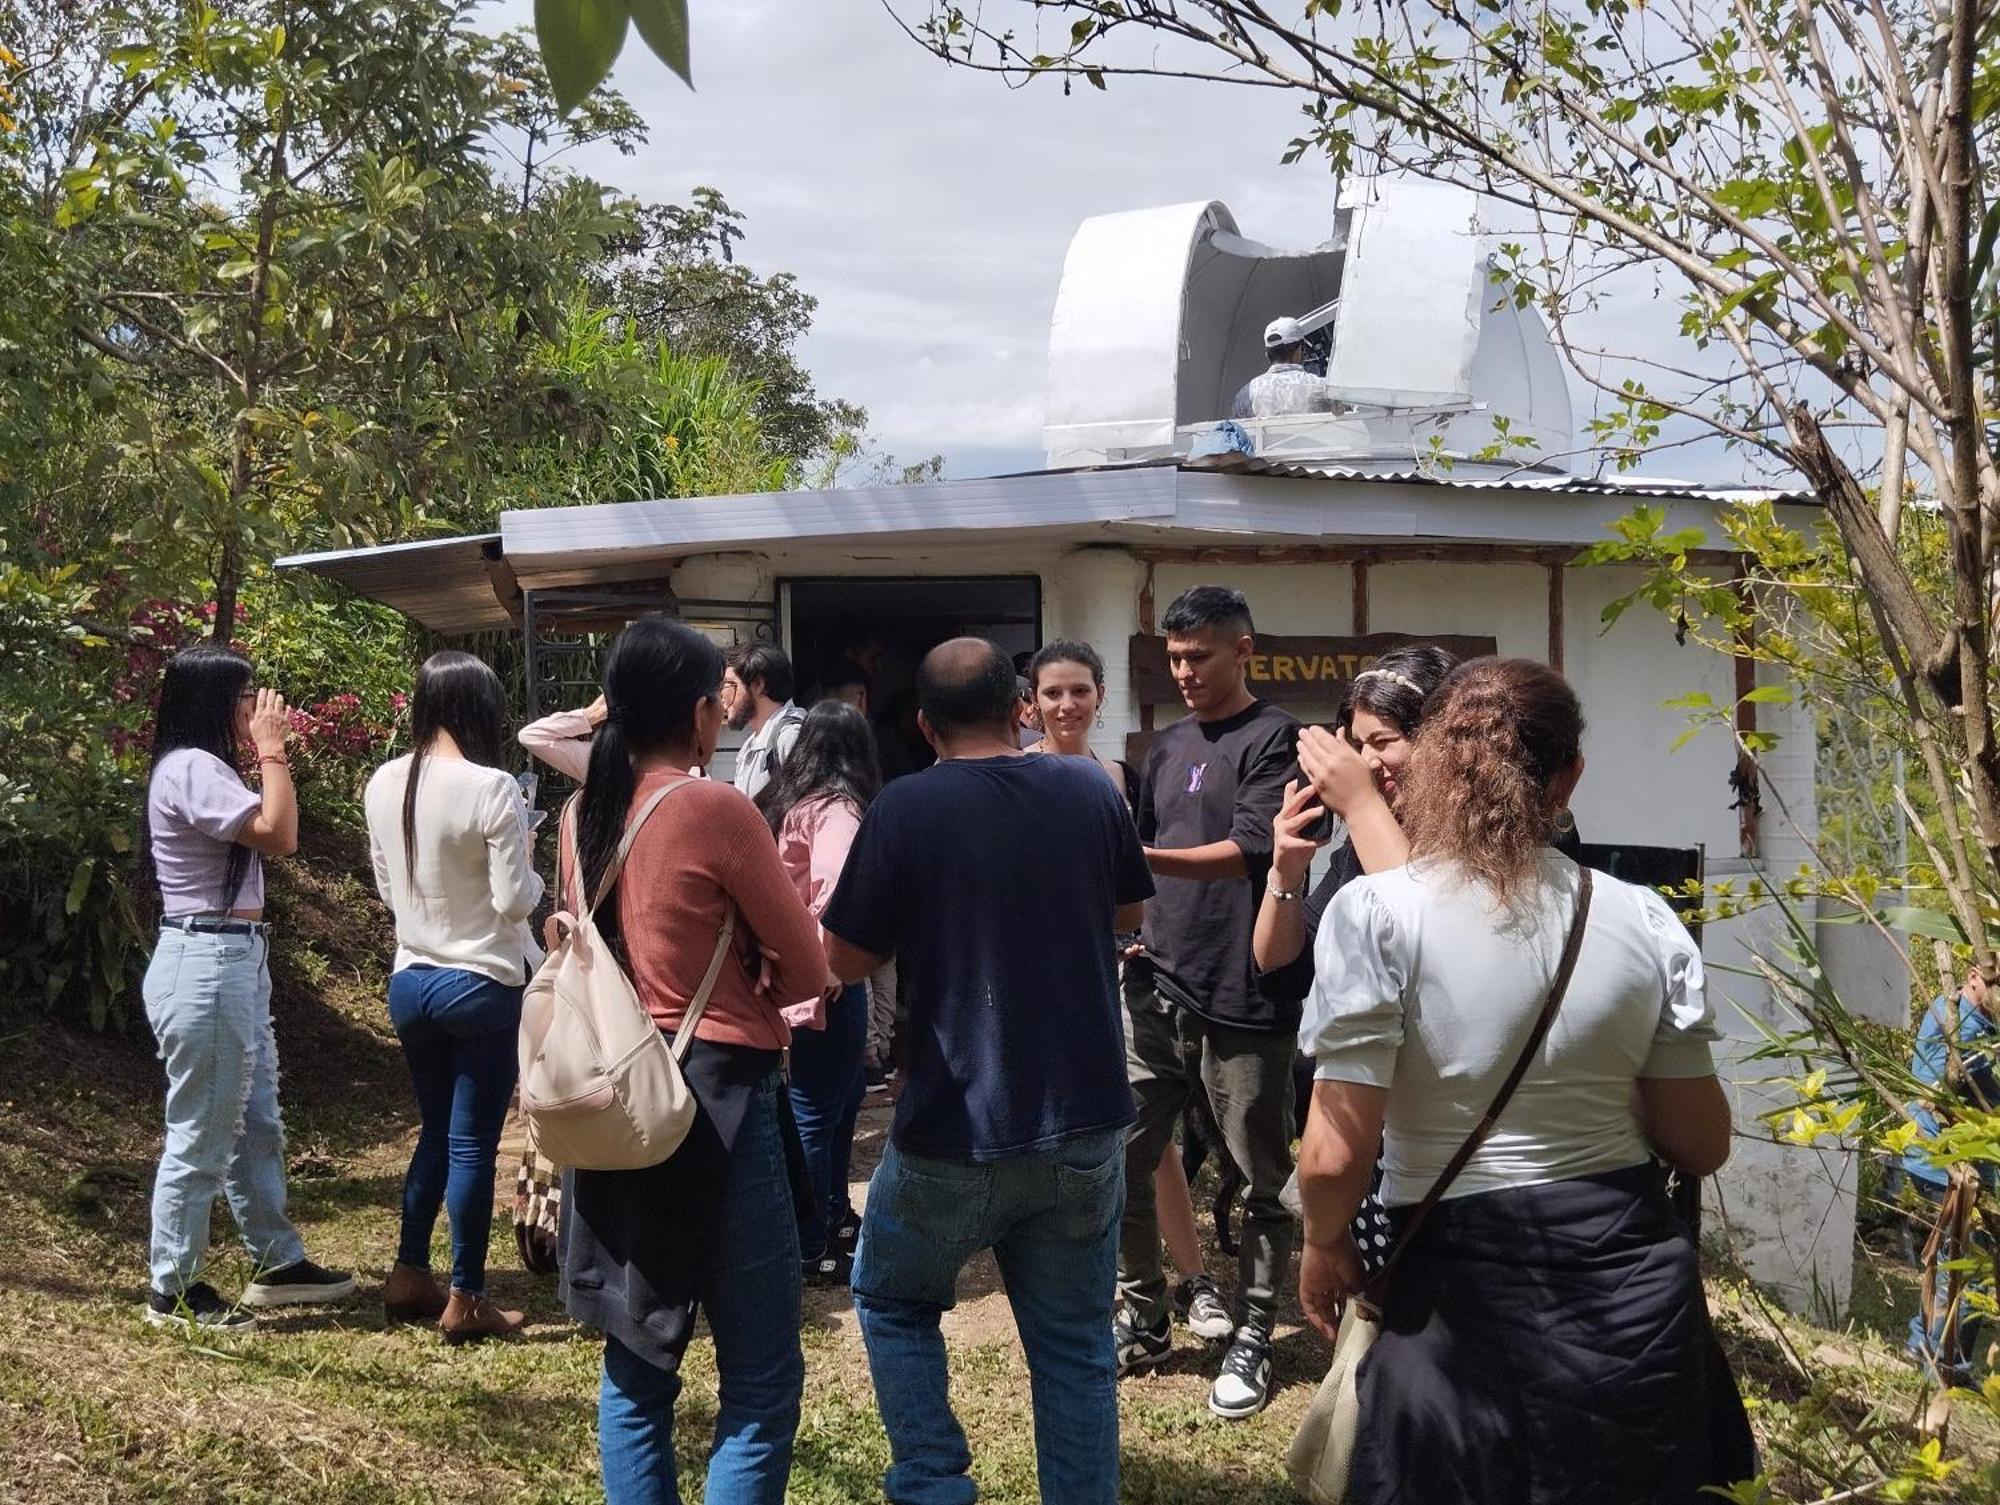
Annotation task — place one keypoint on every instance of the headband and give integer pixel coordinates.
(1393, 677)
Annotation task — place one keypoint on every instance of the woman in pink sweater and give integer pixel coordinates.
(712, 1226)
(815, 806)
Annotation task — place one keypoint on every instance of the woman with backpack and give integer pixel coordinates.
(712, 1226)
(447, 832)
(814, 806)
(208, 991)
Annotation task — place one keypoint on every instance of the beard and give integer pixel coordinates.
(740, 712)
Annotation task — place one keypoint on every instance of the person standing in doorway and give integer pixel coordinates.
(757, 698)
(1212, 785)
(1008, 1134)
(208, 992)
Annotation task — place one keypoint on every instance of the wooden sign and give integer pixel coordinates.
(1306, 670)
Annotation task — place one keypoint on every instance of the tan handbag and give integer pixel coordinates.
(600, 1087)
(1322, 1452)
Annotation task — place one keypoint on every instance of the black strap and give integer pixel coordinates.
(1483, 1130)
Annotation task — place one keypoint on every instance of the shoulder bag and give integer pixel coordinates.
(600, 1087)
(1322, 1452)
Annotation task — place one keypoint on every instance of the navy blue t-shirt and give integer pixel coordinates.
(992, 882)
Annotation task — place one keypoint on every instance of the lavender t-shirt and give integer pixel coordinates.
(195, 805)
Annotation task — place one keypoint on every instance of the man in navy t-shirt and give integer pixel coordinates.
(998, 880)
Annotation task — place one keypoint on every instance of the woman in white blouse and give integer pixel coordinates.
(1544, 1335)
(448, 831)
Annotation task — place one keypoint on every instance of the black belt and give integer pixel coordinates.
(211, 925)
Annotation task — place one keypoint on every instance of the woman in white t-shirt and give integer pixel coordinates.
(448, 832)
(1544, 1335)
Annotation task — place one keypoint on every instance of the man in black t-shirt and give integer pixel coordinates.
(1010, 1131)
(1213, 783)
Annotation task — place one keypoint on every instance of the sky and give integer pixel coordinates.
(928, 207)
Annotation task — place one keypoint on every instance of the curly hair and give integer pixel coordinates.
(1496, 735)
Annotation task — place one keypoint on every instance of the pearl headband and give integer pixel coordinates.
(1393, 677)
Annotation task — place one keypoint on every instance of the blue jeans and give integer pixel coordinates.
(458, 1030)
(1051, 1219)
(208, 1000)
(1926, 1344)
(828, 1084)
(750, 1296)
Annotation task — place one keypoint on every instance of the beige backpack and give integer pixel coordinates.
(599, 1086)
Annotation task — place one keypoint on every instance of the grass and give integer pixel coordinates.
(332, 1406)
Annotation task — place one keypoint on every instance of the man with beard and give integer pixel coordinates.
(757, 698)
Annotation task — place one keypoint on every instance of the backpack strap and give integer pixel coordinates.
(618, 857)
(698, 1005)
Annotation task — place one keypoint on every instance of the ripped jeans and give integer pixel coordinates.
(208, 1000)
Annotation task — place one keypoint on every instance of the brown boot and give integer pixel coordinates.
(410, 1295)
(468, 1318)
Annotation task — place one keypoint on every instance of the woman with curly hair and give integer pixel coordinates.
(1543, 1334)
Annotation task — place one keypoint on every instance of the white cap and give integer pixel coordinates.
(1282, 332)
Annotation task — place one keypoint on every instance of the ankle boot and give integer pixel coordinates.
(468, 1318)
(411, 1295)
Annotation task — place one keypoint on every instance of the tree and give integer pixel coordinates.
(283, 217)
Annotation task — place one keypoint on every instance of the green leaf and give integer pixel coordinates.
(1928, 923)
(1769, 695)
(663, 25)
(79, 885)
(580, 40)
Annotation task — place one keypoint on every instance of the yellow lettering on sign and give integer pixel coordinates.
(1260, 666)
(1284, 667)
(1328, 667)
(1350, 665)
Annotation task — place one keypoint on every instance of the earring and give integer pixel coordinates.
(1100, 721)
(1565, 822)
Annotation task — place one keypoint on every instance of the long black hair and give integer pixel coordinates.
(198, 694)
(460, 696)
(834, 755)
(658, 672)
(1397, 686)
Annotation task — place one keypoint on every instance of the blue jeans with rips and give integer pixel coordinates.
(1051, 1219)
(750, 1296)
(459, 1031)
(828, 1084)
(208, 1000)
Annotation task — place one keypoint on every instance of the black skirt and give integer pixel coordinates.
(1549, 1344)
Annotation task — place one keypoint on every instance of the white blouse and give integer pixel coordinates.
(475, 884)
(1424, 987)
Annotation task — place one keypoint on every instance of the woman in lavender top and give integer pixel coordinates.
(208, 992)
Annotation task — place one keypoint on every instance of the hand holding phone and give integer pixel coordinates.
(1335, 768)
(1295, 835)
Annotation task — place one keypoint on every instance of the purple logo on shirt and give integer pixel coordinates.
(1195, 771)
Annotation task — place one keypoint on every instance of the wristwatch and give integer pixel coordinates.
(1287, 895)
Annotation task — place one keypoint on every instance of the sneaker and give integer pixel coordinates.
(1244, 1386)
(831, 1269)
(1200, 1305)
(1140, 1347)
(197, 1307)
(879, 1077)
(846, 1238)
(301, 1283)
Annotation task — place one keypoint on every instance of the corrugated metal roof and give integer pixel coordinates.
(444, 583)
(1480, 476)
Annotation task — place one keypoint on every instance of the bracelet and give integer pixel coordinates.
(279, 758)
(1288, 895)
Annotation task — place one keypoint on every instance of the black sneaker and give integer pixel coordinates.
(1199, 1304)
(197, 1307)
(832, 1269)
(879, 1077)
(846, 1238)
(301, 1283)
(1244, 1386)
(1140, 1347)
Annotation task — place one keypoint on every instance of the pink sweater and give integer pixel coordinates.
(813, 843)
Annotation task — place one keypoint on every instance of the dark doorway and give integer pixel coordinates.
(888, 626)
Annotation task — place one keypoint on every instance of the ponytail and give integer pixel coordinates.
(1497, 734)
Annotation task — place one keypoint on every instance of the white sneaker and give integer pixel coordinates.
(1200, 1305)
(1244, 1386)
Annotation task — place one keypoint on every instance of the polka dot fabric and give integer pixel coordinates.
(1373, 1234)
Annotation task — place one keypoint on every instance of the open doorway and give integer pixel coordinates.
(887, 626)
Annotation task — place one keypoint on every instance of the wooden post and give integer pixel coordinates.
(1360, 568)
(1556, 568)
(1146, 626)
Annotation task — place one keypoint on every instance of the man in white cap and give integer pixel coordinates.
(1285, 387)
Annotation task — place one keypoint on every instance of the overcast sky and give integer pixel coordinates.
(928, 208)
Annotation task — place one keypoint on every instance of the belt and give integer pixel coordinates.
(195, 924)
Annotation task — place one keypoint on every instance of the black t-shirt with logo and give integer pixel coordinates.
(1209, 781)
